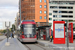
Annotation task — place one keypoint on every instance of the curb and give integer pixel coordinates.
(55, 47)
(14, 45)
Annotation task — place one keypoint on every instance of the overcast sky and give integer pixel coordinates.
(8, 10)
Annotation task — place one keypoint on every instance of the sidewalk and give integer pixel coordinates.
(2, 37)
(14, 45)
(51, 45)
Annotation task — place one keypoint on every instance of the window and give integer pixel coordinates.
(50, 13)
(70, 16)
(44, 17)
(50, 23)
(65, 11)
(40, 12)
(70, 11)
(45, 12)
(53, 6)
(44, 6)
(65, 16)
(44, 0)
(22, 0)
(55, 11)
(54, 15)
(40, 6)
(50, 18)
(61, 7)
(40, 17)
(70, 7)
(60, 12)
(60, 20)
(24, 18)
(71, 3)
(60, 15)
(55, 20)
(40, 0)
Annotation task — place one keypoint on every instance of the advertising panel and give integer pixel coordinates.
(70, 32)
(58, 32)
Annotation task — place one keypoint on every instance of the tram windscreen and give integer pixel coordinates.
(29, 29)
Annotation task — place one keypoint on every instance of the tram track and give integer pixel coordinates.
(34, 47)
(40, 46)
(27, 47)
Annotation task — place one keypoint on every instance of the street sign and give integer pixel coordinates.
(59, 32)
(7, 24)
(70, 32)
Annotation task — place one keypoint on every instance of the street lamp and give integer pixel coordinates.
(46, 14)
(20, 10)
(67, 32)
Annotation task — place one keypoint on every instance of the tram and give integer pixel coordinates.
(27, 31)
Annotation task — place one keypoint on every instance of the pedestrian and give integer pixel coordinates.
(37, 35)
(51, 36)
(13, 35)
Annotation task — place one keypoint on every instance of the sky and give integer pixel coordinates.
(8, 10)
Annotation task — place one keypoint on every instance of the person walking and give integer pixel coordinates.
(51, 36)
(13, 35)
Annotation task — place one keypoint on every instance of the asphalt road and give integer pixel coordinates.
(2, 37)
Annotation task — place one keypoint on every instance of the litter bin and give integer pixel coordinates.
(44, 37)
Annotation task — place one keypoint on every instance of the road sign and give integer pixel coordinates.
(59, 32)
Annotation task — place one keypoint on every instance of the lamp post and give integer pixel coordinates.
(46, 13)
(20, 10)
(67, 35)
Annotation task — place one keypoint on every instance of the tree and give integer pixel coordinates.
(3, 31)
(13, 27)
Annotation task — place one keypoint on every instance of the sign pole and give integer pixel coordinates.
(7, 30)
(67, 35)
(7, 43)
(7, 34)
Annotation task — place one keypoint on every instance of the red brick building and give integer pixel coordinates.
(35, 10)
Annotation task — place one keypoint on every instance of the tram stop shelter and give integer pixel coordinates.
(43, 32)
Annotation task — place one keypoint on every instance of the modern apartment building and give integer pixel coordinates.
(61, 10)
(17, 21)
(37, 10)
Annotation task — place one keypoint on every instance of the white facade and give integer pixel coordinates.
(61, 10)
(62, 0)
(16, 21)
